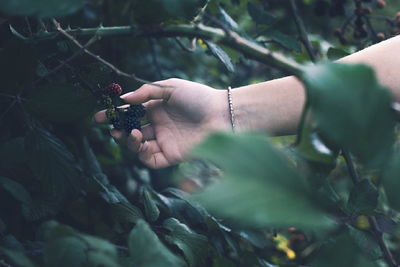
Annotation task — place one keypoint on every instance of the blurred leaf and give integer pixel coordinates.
(220, 54)
(259, 15)
(391, 182)
(260, 187)
(363, 198)
(150, 208)
(12, 153)
(52, 163)
(11, 243)
(193, 245)
(335, 53)
(352, 109)
(366, 242)
(40, 8)
(16, 190)
(62, 102)
(15, 76)
(147, 250)
(17, 258)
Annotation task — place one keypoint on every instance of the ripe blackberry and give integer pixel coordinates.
(136, 111)
(114, 89)
(131, 123)
(117, 124)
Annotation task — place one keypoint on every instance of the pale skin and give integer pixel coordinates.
(182, 113)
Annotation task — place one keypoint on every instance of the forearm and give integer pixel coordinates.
(275, 106)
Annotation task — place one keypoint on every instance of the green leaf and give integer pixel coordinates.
(66, 247)
(17, 258)
(40, 8)
(16, 190)
(366, 242)
(335, 53)
(194, 246)
(220, 54)
(125, 212)
(147, 250)
(341, 250)
(363, 197)
(52, 163)
(150, 208)
(285, 40)
(12, 153)
(391, 182)
(259, 15)
(351, 109)
(62, 103)
(260, 187)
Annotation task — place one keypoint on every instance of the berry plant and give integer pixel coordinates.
(71, 196)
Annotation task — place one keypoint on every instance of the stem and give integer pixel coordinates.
(233, 40)
(371, 219)
(302, 31)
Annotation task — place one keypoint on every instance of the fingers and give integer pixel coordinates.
(148, 132)
(159, 90)
(151, 155)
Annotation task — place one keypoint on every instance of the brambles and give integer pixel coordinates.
(125, 119)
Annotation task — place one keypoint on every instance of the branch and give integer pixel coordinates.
(302, 31)
(371, 219)
(97, 57)
(233, 40)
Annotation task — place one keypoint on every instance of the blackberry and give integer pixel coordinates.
(117, 124)
(114, 89)
(136, 111)
(111, 114)
(131, 123)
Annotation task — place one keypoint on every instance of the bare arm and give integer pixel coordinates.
(275, 106)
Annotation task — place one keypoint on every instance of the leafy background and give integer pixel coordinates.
(70, 196)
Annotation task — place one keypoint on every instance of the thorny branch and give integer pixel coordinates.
(97, 57)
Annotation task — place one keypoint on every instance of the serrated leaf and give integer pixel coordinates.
(125, 212)
(220, 54)
(150, 208)
(16, 190)
(259, 15)
(40, 8)
(260, 187)
(62, 102)
(352, 110)
(363, 197)
(18, 259)
(53, 164)
(194, 246)
(147, 250)
(228, 20)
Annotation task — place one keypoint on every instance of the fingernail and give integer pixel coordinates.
(126, 95)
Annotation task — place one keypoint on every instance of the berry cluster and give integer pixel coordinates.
(125, 119)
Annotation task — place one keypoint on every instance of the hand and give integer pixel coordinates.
(181, 114)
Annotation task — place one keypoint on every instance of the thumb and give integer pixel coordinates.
(150, 91)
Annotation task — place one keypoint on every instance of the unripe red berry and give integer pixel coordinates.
(381, 3)
(114, 89)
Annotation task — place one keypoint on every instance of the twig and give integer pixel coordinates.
(371, 219)
(185, 48)
(247, 47)
(302, 31)
(63, 63)
(97, 57)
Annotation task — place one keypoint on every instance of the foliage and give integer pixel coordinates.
(70, 196)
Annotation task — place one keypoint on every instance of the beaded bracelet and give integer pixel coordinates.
(231, 112)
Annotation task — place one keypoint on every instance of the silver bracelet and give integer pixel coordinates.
(231, 111)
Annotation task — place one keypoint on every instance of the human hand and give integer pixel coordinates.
(180, 114)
